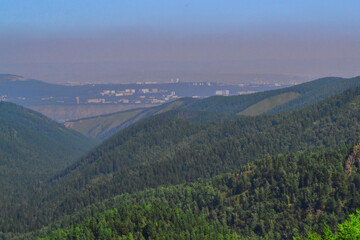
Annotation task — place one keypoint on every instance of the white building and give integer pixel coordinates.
(222, 92)
(96, 100)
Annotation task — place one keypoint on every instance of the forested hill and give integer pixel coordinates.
(280, 100)
(32, 148)
(212, 108)
(278, 197)
(32, 140)
(161, 151)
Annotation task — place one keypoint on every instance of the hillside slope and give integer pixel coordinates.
(274, 101)
(103, 126)
(301, 95)
(32, 148)
(30, 141)
(279, 197)
(161, 151)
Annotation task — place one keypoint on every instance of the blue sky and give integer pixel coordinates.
(42, 16)
(127, 41)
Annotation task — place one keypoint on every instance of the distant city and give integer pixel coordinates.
(67, 102)
(37, 93)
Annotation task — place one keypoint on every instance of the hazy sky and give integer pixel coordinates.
(129, 41)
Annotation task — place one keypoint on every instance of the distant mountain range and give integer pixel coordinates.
(219, 107)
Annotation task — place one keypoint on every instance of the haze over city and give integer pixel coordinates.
(130, 41)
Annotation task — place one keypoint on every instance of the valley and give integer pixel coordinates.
(173, 162)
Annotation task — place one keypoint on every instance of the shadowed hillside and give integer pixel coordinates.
(32, 148)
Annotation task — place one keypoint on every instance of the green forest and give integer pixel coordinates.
(186, 174)
(169, 151)
(278, 197)
(32, 148)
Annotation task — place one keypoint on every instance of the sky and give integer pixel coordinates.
(155, 40)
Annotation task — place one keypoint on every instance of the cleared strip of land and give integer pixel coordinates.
(269, 104)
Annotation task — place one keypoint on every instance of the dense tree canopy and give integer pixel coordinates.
(279, 197)
(162, 151)
(32, 148)
(166, 169)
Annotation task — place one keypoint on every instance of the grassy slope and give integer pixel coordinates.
(269, 104)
